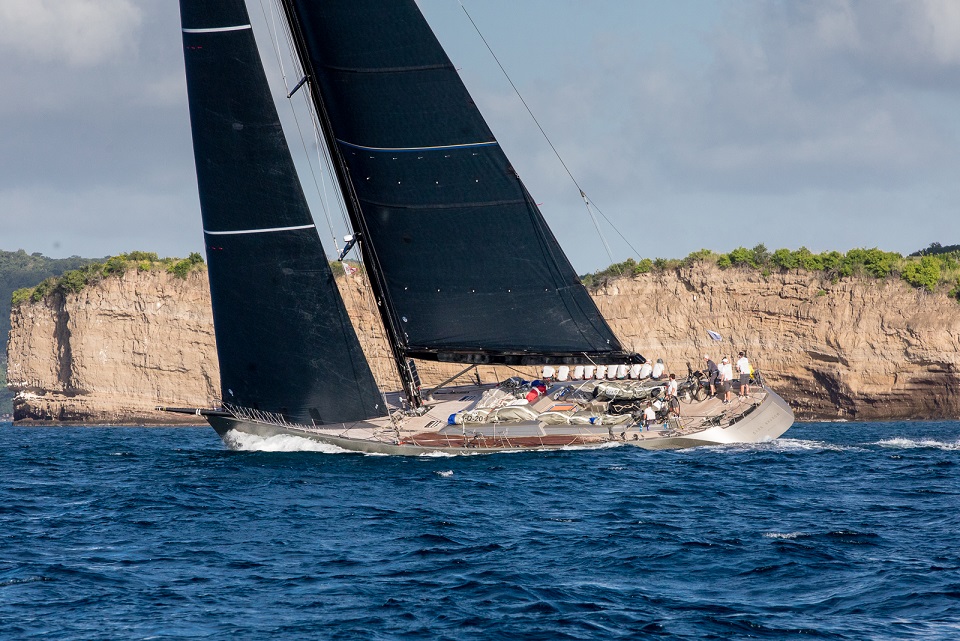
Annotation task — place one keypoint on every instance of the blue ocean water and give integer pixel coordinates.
(841, 531)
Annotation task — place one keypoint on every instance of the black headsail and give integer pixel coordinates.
(284, 340)
(456, 248)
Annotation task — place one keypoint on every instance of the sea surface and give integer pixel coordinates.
(841, 531)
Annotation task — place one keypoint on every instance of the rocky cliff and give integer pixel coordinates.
(851, 348)
(112, 352)
(854, 348)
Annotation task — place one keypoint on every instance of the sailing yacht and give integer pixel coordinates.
(461, 264)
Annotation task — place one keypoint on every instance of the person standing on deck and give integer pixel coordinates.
(726, 378)
(649, 416)
(673, 401)
(743, 367)
(712, 374)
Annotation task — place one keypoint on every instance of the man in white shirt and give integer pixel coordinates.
(649, 416)
(726, 378)
(673, 402)
(743, 367)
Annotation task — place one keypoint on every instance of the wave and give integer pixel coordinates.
(795, 444)
(602, 446)
(784, 445)
(917, 443)
(784, 535)
(438, 454)
(243, 442)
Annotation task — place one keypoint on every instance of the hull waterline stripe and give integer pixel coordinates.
(217, 29)
(257, 231)
(403, 149)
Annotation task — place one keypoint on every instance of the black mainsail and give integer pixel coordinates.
(284, 340)
(460, 258)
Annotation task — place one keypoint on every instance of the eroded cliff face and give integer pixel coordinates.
(854, 349)
(114, 351)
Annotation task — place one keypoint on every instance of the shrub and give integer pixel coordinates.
(702, 255)
(142, 256)
(663, 264)
(761, 255)
(937, 249)
(181, 268)
(955, 292)
(808, 260)
(923, 273)
(115, 265)
(21, 296)
(875, 262)
(72, 281)
(831, 260)
(742, 257)
(784, 259)
(75, 280)
(629, 267)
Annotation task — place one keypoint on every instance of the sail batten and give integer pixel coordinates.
(425, 207)
(467, 145)
(265, 230)
(218, 29)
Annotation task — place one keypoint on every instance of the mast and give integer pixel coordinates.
(374, 273)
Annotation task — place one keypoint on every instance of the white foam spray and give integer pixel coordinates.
(244, 442)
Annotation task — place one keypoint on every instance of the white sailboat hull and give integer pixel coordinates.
(761, 418)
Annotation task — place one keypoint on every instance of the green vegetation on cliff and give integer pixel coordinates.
(20, 274)
(75, 280)
(929, 269)
(937, 248)
(20, 269)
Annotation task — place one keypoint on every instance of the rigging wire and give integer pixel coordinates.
(326, 162)
(275, 41)
(622, 237)
(583, 194)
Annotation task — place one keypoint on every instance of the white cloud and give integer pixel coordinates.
(899, 42)
(79, 32)
(944, 18)
(797, 96)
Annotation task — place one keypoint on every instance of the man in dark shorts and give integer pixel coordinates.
(744, 369)
(726, 378)
(713, 373)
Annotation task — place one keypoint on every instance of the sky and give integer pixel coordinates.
(690, 124)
